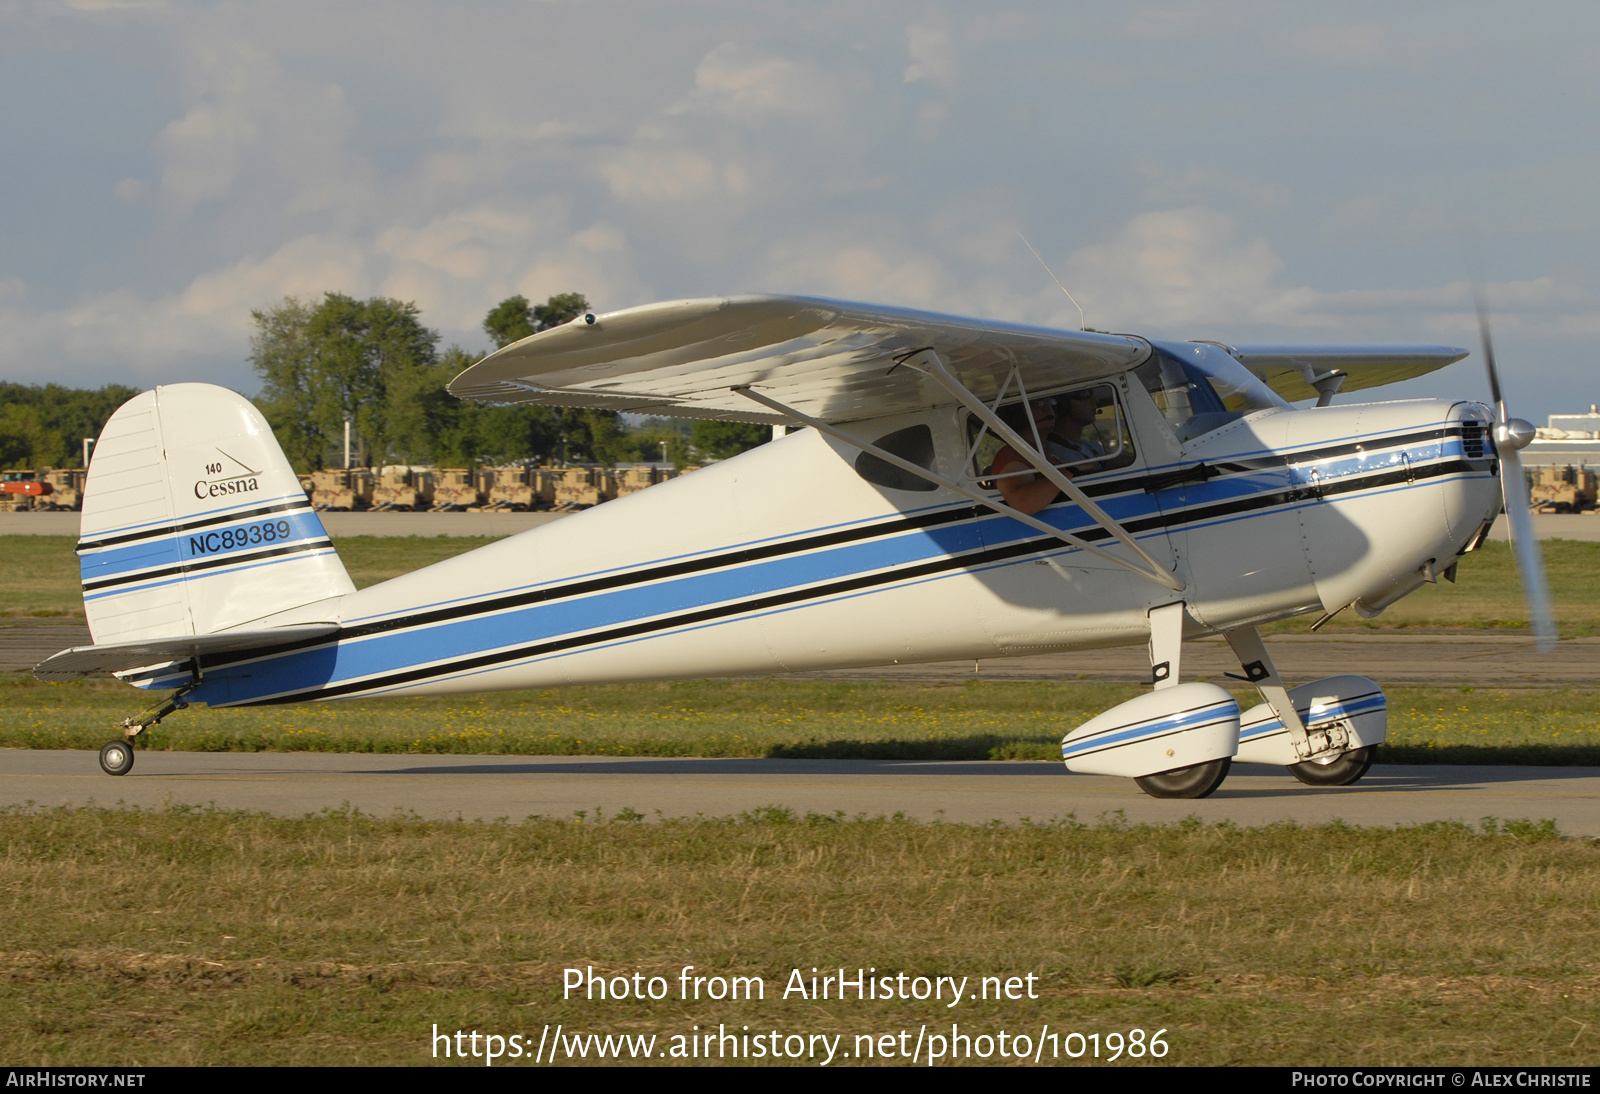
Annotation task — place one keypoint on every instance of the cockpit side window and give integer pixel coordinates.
(1085, 431)
(1203, 389)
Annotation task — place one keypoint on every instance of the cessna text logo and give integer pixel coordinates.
(219, 483)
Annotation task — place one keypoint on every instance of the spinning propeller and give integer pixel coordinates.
(1511, 435)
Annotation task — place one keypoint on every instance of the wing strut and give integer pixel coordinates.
(1155, 573)
(929, 364)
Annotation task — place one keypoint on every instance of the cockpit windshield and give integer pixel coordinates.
(1201, 387)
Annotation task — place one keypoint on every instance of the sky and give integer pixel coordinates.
(1240, 171)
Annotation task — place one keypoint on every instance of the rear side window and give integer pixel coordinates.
(914, 444)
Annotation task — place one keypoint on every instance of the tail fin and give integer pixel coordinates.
(193, 521)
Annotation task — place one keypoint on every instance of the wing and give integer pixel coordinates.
(830, 359)
(81, 661)
(1290, 370)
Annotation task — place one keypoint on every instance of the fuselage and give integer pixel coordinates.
(787, 558)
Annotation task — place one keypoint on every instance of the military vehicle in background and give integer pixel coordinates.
(403, 488)
(66, 485)
(455, 489)
(338, 488)
(581, 487)
(633, 477)
(521, 489)
(1557, 489)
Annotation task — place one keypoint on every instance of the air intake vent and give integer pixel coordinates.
(1473, 439)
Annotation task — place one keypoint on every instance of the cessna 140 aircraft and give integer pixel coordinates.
(1189, 498)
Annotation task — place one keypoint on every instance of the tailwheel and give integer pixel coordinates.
(116, 757)
(1198, 781)
(1341, 770)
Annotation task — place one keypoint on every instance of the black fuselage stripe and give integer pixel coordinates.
(1092, 534)
(1156, 521)
(207, 564)
(178, 529)
(769, 602)
(683, 619)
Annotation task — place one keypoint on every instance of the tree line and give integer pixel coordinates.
(373, 362)
(43, 425)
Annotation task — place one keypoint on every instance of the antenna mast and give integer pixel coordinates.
(1082, 324)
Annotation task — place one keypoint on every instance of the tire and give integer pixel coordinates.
(1340, 771)
(1198, 781)
(116, 757)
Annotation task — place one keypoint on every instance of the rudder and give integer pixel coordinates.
(194, 522)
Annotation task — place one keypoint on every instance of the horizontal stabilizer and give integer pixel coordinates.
(1292, 371)
(114, 657)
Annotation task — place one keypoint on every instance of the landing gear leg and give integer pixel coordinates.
(1166, 651)
(1325, 753)
(116, 757)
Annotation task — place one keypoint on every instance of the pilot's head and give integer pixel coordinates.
(1042, 412)
(1081, 406)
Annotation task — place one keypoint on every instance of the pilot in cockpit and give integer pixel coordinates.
(1028, 493)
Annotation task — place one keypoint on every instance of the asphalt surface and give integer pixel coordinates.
(516, 787)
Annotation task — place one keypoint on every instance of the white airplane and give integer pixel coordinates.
(1185, 497)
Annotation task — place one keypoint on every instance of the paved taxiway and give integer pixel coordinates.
(515, 787)
(486, 787)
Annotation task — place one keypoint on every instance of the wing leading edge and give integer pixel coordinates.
(837, 361)
(834, 360)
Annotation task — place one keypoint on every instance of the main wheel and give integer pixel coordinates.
(1342, 770)
(1187, 782)
(116, 758)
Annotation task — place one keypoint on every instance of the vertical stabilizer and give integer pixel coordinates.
(194, 522)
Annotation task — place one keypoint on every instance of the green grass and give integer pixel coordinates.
(1487, 595)
(763, 717)
(39, 579)
(200, 937)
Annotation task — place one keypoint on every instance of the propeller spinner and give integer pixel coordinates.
(1511, 435)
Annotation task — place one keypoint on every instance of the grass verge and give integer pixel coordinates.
(189, 936)
(780, 718)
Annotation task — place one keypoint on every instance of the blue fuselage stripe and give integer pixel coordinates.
(372, 655)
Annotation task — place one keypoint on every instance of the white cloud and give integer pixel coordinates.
(933, 52)
(1185, 271)
(748, 84)
(252, 127)
(1173, 267)
(668, 173)
(305, 267)
(841, 265)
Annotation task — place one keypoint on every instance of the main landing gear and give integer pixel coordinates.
(1180, 740)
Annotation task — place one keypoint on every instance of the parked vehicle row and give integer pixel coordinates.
(478, 490)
